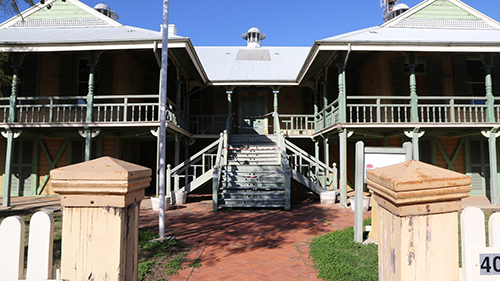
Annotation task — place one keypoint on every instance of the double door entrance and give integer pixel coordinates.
(252, 112)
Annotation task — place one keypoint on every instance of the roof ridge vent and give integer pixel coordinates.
(253, 37)
(105, 10)
(392, 9)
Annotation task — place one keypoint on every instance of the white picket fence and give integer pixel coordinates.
(478, 261)
(40, 248)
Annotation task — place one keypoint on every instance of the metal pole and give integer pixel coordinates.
(358, 192)
(163, 119)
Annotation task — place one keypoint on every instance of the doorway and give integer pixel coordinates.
(251, 111)
(22, 168)
(479, 167)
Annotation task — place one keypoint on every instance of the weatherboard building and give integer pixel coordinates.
(250, 123)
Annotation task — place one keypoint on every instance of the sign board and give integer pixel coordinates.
(368, 158)
(378, 157)
(485, 264)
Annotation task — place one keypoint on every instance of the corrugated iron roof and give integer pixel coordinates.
(401, 35)
(278, 64)
(76, 35)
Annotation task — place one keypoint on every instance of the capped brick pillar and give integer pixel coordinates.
(417, 220)
(100, 200)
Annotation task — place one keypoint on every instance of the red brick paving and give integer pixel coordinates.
(249, 244)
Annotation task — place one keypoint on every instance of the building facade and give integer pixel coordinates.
(249, 119)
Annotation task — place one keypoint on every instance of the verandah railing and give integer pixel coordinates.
(378, 109)
(106, 109)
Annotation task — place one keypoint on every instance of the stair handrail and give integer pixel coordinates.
(220, 160)
(283, 160)
(315, 162)
(195, 158)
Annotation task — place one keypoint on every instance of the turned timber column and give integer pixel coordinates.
(418, 208)
(13, 94)
(316, 110)
(325, 101)
(490, 99)
(100, 200)
(275, 109)
(342, 135)
(342, 94)
(343, 166)
(90, 110)
(7, 182)
(414, 109)
(413, 94)
(326, 147)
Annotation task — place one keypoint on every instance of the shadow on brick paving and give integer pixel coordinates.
(242, 230)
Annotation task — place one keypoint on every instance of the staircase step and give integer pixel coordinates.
(252, 169)
(248, 203)
(253, 195)
(242, 187)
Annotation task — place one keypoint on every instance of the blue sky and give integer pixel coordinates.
(286, 22)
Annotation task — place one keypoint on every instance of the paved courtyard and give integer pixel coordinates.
(249, 244)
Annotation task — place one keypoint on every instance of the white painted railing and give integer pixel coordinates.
(297, 124)
(328, 117)
(478, 261)
(40, 248)
(207, 124)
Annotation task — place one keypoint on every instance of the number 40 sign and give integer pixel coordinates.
(485, 264)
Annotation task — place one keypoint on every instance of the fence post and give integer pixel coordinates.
(40, 246)
(100, 200)
(12, 248)
(418, 221)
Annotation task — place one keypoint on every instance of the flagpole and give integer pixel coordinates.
(163, 119)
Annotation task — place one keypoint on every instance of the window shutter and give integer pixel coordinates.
(460, 75)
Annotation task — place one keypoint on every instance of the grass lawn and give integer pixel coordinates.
(337, 257)
(158, 260)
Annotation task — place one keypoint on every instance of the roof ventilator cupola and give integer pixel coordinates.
(105, 10)
(392, 9)
(253, 37)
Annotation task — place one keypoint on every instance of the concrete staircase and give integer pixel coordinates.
(253, 176)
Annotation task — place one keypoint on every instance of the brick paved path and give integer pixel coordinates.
(249, 245)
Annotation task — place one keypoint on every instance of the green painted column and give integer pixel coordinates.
(326, 147)
(342, 94)
(490, 99)
(325, 101)
(343, 166)
(316, 148)
(90, 111)
(275, 109)
(13, 94)
(492, 142)
(413, 94)
(415, 152)
(6, 186)
(316, 110)
(275, 100)
(90, 93)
